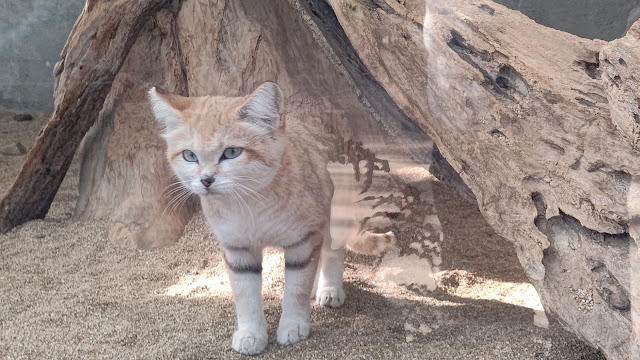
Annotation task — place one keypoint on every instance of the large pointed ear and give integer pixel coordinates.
(166, 109)
(264, 107)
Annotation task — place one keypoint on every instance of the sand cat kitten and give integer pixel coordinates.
(262, 180)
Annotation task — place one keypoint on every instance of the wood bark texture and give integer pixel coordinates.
(539, 127)
(540, 124)
(96, 49)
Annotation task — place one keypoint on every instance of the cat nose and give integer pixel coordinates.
(207, 181)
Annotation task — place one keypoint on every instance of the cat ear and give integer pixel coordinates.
(264, 107)
(165, 108)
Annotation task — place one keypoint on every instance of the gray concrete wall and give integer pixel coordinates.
(32, 34)
(591, 19)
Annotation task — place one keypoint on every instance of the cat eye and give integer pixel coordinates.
(189, 156)
(231, 153)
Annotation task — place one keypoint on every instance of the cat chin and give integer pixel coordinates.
(210, 193)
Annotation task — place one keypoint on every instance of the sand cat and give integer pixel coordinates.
(262, 179)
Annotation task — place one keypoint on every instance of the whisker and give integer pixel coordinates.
(236, 199)
(185, 199)
(255, 193)
(181, 202)
(241, 177)
(250, 195)
(173, 191)
(249, 179)
(172, 188)
(176, 183)
(175, 199)
(233, 197)
(253, 221)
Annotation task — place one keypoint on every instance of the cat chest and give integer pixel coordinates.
(258, 229)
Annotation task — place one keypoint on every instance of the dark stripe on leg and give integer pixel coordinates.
(300, 242)
(235, 248)
(243, 269)
(298, 265)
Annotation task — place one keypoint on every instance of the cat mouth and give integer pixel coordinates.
(209, 192)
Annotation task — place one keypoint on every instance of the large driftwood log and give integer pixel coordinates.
(92, 57)
(541, 125)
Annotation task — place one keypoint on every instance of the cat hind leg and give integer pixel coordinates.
(330, 291)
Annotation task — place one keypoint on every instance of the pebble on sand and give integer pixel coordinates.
(14, 149)
(22, 117)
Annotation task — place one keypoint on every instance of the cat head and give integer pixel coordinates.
(221, 145)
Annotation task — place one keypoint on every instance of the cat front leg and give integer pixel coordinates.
(301, 261)
(244, 266)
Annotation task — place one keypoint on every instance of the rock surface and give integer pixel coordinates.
(22, 117)
(13, 149)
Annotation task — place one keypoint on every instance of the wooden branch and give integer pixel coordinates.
(95, 51)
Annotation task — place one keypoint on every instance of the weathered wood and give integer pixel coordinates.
(540, 124)
(97, 47)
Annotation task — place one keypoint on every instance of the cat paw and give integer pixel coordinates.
(247, 342)
(330, 296)
(291, 333)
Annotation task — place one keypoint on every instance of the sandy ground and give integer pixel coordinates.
(66, 293)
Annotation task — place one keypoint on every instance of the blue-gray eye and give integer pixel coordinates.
(189, 156)
(231, 153)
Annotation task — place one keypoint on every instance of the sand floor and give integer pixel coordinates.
(66, 293)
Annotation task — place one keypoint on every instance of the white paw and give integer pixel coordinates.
(330, 296)
(247, 342)
(291, 333)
